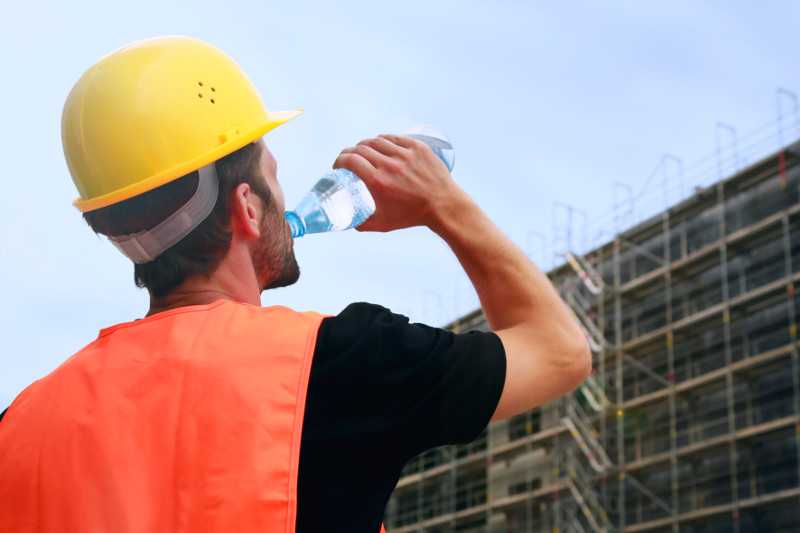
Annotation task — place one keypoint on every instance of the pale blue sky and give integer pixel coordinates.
(544, 102)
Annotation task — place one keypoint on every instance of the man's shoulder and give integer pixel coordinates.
(357, 321)
(362, 311)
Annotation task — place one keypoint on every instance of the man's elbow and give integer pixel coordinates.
(581, 356)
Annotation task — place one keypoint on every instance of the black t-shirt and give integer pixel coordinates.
(381, 392)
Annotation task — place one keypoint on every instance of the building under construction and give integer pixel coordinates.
(691, 421)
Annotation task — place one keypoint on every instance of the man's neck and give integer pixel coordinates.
(177, 299)
(224, 284)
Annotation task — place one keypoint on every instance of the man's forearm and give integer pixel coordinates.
(512, 290)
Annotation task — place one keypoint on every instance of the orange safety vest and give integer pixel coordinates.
(186, 421)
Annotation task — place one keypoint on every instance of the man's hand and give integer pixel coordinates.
(410, 185)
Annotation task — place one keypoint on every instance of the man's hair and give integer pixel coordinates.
(200, 252)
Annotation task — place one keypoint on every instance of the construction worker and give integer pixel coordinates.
(213, 413)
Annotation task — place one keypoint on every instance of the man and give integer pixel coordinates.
(213, 413)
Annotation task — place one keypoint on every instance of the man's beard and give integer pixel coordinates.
(273, 258)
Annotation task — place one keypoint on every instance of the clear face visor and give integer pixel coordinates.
(145, 246)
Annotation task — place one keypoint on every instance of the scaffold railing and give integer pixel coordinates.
(585, 459)
(586, 272)
(594, 394)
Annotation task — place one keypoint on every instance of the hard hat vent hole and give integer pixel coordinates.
(202, 88)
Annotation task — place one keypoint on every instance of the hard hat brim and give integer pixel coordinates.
(229, 143)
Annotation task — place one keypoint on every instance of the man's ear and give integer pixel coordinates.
(246, 212)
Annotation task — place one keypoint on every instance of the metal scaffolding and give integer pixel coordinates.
(691, 420)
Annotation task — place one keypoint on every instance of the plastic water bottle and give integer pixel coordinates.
(340, 200)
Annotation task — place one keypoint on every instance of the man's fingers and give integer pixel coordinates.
(355, 163)
(385, 146)
(368, 225)
(374, 223)
(400, 140)
(372, 155)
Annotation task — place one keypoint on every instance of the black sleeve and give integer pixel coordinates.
(415, 386)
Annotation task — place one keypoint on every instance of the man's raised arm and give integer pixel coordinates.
(547, 354)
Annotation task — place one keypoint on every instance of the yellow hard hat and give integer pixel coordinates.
(154, 111)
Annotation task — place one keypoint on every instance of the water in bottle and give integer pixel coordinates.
(340, 200)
